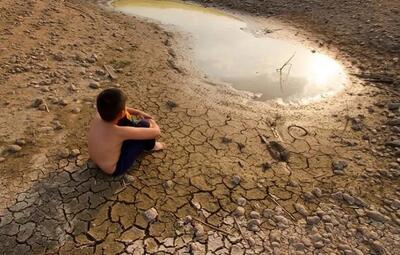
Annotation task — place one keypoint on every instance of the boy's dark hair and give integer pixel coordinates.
(110, 103)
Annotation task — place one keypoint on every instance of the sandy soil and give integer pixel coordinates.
(337, 192)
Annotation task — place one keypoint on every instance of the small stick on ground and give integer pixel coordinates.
(241, 231)
(79, 10)
(46, 107)
(286, 211)
(212, 227)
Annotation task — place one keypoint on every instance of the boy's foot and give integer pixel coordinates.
(159, 146)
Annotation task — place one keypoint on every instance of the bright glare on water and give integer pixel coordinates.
(226, 52)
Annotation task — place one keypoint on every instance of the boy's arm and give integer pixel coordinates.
(136, 133)
(138, 112)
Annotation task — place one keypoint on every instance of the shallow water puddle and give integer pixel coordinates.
(226, 52)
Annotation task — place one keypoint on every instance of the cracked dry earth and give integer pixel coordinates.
(218, 189)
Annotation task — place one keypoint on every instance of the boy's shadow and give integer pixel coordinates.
(55, 209)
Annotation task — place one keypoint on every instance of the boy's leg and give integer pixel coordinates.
(131, 149)
(148, 144)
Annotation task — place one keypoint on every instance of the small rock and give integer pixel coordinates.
(63, 102)
(319, 245)
(348, 198)
(275, 236)
(241, 201)
(14, 148)
(339, 165)
(395, 204)
(76, 110)
(253, 228)
(151, 214)
(281, 219)
(326, 218)
(37, 102)
(194, 247)
(251, 241)
(317, 192)
(394, 143)
(75, 152)
(168, 184)
(301, 209)
(357, 251)
(394, 122)
(171, 104)
(64, 153)
(375, 215)
(308, 196)
(199, 230)
(188, 219)
(268, 213)
(255, 215)
(214, 243)
(393, 106)
(236, 180)
(2, 159)
(299, 246)
(378, 247)
(256, 222)
(360, 202)
(196, 205)
(94, 85)
(313, 220)
(316, 237)
(239, 211)
(20, 142)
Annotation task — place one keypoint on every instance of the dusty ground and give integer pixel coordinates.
(340, 183)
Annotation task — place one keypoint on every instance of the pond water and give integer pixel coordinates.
(226, 51)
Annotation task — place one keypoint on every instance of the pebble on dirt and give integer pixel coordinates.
(94, 85)
(151, 214)
(14, 148)
(75, 152)
(236, 180)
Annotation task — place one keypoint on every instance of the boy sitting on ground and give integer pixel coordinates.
(118, 134)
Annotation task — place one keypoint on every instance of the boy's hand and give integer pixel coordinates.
(145, 116)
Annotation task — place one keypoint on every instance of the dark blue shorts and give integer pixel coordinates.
(131, 149)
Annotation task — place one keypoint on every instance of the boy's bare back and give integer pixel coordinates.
(104, 144)
(106, 135)
(105, 141)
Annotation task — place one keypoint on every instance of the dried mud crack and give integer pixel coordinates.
(217, 189)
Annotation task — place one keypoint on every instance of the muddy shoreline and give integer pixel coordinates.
(365, 33)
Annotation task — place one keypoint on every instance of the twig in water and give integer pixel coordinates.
(280, 70)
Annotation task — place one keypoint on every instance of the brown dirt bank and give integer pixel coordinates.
(340, 182)
(366, 32)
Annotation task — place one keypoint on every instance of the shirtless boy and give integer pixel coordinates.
(118, 134)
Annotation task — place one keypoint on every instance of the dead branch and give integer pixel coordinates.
(111, 72)
(79, 10)
(280, 70)
(241, 231)
(286, 211)
(212, 226)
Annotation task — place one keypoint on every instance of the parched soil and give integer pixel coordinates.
(238, 177)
